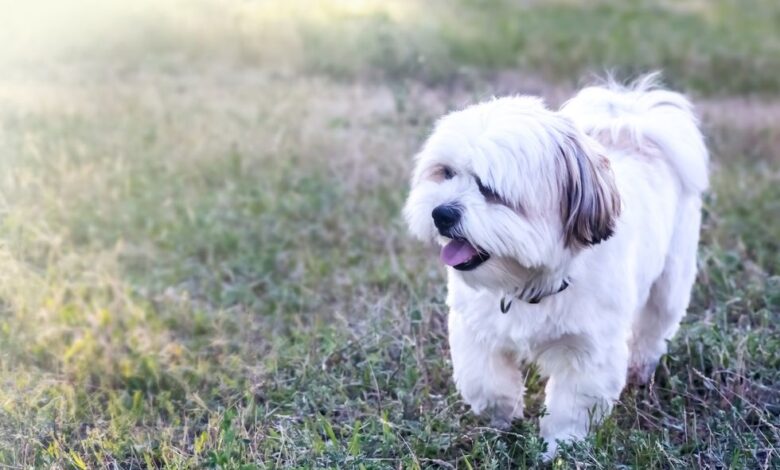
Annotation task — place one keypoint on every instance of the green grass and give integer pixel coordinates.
(203, 263)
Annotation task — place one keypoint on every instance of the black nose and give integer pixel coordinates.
(445, 217)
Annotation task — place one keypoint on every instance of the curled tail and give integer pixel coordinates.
(647, 117)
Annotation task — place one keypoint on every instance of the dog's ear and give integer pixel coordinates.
(590, 203)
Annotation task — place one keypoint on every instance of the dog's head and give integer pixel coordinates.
(511, 191)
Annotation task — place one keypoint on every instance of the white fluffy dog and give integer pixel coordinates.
(570, 239)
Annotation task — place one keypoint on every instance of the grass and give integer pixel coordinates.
(204, 264)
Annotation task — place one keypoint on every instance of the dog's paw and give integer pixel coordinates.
(640, 374)
(549, 454)
(502, 423)
(502, 416)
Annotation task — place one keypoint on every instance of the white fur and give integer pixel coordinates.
(627, 294)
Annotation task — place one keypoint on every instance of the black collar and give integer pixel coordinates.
(506, 305)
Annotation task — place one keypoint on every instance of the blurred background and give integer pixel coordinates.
(203, 264)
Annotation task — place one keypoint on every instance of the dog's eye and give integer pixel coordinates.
(442, 172)
(489, 194)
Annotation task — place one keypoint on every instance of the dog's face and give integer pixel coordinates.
(511, 191)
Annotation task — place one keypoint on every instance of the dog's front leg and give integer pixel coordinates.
(582, 387)
(486, 376)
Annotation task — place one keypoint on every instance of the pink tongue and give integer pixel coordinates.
(457, 252)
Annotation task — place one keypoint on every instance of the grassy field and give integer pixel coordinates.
(202, 261)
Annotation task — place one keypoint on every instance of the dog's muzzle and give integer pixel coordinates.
(459, 252)
(446, 217)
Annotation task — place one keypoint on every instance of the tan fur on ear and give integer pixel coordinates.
(590, 203)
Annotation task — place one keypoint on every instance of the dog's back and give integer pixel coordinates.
(647, 117)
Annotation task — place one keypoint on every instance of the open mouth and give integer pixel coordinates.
(462, 255)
